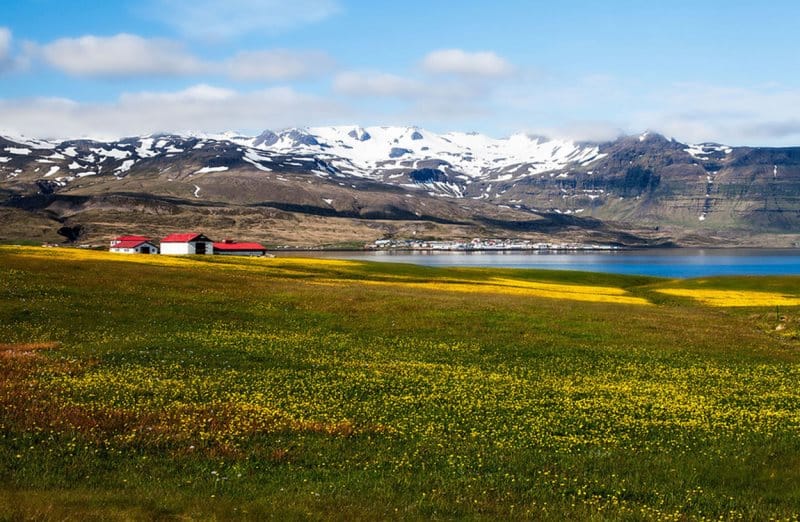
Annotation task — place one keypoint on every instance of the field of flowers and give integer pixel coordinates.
(148, 387)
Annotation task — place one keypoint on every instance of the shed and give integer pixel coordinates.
(234, 248)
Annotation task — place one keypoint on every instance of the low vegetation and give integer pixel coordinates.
(139, 387)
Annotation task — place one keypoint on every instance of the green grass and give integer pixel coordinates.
(294, 389)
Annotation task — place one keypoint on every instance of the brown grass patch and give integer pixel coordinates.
(23, 350)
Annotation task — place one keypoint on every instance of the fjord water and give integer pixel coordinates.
(671, 263)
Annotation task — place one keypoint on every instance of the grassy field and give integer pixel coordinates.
(139, 387)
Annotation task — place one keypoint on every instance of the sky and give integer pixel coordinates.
(721, 71)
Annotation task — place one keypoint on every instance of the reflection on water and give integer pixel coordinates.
(664, 263)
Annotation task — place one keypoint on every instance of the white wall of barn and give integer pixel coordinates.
(177, 249)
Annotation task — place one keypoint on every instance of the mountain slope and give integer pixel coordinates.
(636, 190)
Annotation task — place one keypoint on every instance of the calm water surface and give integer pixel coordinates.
(673, 263)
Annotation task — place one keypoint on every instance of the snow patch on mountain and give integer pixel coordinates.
(126, 166)
(113, 153)
(703, 151)
(206, 170)
(18, 151)
(145, 149)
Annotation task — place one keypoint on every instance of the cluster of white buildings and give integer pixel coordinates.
(185, 244)
(479, 244)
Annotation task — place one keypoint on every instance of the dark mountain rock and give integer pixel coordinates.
(302, 138)
(427, 176)
(359, 134)
(396, 152)
(266, 138)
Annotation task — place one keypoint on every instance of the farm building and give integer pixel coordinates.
(234, 248)
(133, 245)
(183, 244)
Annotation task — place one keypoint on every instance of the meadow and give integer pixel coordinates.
(151, 387)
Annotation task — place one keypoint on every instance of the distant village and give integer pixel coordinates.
(479, 244)
(185, 244)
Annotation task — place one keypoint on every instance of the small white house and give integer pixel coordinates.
(183, 244)
(133, 245)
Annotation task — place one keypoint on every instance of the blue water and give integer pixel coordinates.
(672, 263)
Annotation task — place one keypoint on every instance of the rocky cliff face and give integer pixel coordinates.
(653, 181)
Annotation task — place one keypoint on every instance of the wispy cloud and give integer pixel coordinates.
(378, 84)
(120, 55)
(200, 107)
(460, 62)
(127, 55)
(227, 19)
(595, 131)
(756, 115)
(427, 100)
(7, 61)
(452, 87)
(280, 64)
(599, 107)
(5, 43)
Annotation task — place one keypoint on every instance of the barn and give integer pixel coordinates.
(234, 248)
(133, 245)
(188, 243)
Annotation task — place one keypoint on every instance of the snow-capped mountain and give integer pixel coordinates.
(405, 156)
(361, 151)
(400, 172)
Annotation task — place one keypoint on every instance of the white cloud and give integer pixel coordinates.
(457, 61)
(278, 65)
(760, 115)
(226, 19)
(376, 84)
(599, 107)
(119, 55)
(5, 44)
(581, 130)
(8, 61)
(426, 101)
(201, 108)
(126, 55)
(196, 93)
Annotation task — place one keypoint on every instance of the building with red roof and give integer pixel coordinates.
(129, 238)
(133, 245)
(187, 244)
(234, 248)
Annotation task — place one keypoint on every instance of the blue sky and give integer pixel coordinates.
(698, 71)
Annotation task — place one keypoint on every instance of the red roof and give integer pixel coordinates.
(132, 238)
(128, 244)
(180, 238)
(235, 247)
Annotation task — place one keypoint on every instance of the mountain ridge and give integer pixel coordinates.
(635, 183)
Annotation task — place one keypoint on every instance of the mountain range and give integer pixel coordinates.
(348, 185)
